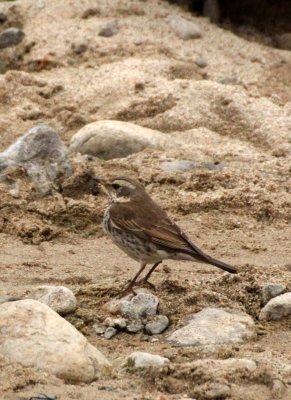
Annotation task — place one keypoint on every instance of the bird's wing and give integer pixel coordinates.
(152, 225)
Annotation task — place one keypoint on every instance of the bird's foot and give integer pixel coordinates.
(128, 290)
(146, 283)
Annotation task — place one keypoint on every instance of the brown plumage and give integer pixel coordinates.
(144, 231)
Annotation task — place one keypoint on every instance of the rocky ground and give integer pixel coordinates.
(216, 96)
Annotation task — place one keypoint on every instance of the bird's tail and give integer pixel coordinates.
(217, 263)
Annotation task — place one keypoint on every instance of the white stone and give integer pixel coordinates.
(115, 139)
(59, 298)
(34, 335)
(140, 306)
(183, 28)
(215, 326)
(142, 359)
(277, 308)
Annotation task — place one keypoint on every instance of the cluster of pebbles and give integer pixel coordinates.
(137, 313)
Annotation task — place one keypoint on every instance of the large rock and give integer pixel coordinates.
(35, 336)
(42, 154)
(277, 308)
(115, 139)
(213, 326)
(59, 298)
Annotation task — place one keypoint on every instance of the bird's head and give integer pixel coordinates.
(122, 189)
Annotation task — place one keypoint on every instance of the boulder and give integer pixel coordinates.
(34, 335)
(115, 139)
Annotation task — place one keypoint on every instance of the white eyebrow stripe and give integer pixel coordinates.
(124, 183)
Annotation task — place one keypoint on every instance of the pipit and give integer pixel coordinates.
(139, 227)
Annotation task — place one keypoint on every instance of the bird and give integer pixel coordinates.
(144, 231)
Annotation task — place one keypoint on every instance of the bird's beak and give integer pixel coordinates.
(96, 183)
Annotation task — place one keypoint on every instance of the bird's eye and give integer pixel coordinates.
(115, 186)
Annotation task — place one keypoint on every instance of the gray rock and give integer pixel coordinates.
(10, 37)
(284, 41)
(183, 28)
(134, 326)
(110, 29)
(115, 139)
(186, 165)
(34, 335)
(141, 360)
(213, 326)
(140, 306)
(42, 154)
(271, 290)
(277, 308)
(59, 298)
(157, 325)
(3, 18)
(201, 62)
(110, 332)
(178, 166)
(117, 323)
(99, 328)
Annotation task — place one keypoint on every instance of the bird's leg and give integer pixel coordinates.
(129, 288)
(145, 280)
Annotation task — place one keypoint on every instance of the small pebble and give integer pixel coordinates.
(184, 28)
(99, 328)
(271, 290)
(157, 325)
(200, 62)
(10, 37)
(110, 29)
(134, 326)
(110, 332)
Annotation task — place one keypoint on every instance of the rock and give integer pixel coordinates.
(110, 29)
(110, 332)
(134, 326)
(215, 326)
(229, 80)
(140, 306)
(221, 368)
(277, 308)
(3, 18)
(183, 28)
(201, 62)
(115, 139)
(42, 154)
(99, 328)
(186, 165)
(284, 41)
(211, 10)
(34, 335)
(157, 325)
(217, 391)
(178, 166)
(59, 298)
(10, 37)
(142, 360)
(271, 290)
(117, 323)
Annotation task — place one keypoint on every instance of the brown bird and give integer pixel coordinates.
(139, 227)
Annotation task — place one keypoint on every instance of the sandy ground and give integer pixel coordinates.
(241, 213)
